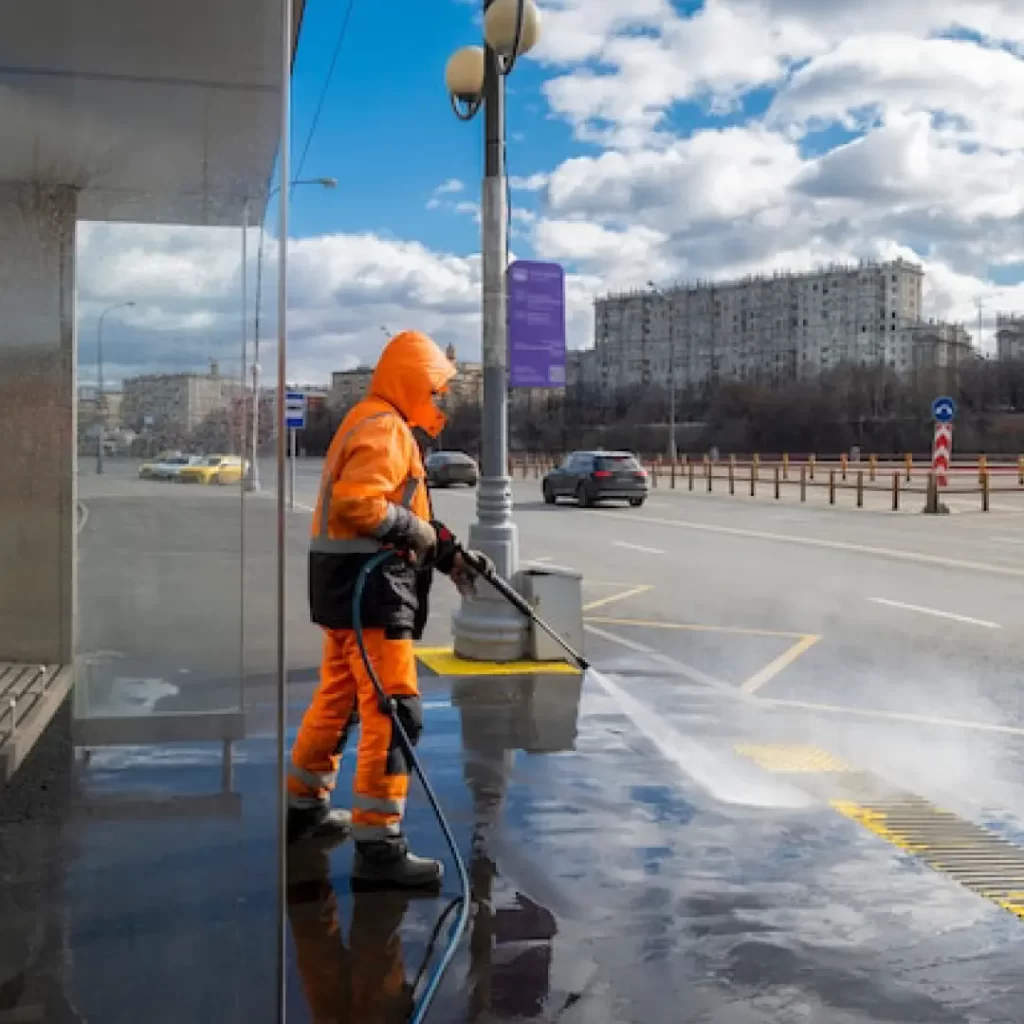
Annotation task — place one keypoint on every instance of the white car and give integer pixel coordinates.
(170, 468)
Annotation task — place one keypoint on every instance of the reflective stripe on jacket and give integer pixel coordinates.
(373, 467)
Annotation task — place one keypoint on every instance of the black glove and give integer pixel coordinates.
(412, 535)
(445, 549)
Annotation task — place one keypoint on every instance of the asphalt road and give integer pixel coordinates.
(755, 664)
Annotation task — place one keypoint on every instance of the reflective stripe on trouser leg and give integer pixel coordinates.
(382, 781)
(325, 726)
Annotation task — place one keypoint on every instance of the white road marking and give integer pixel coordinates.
(1007, 540)
(934, 611)
(685, 670)
(638, 547)
(896, 716)
(895, 554)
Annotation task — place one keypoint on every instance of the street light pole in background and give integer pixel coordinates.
(486, 627)
(101, 404)
(254, 469)
(672, 450)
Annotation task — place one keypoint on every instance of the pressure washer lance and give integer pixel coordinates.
(521, 605)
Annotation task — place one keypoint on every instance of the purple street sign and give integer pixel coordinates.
(536, 324)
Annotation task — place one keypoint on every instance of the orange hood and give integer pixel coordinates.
(411, 369)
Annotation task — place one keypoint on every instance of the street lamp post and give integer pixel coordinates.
(672, 450)
(485, 627)
(101, 405)
(254, 470)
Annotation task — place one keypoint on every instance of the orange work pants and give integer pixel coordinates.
(382, 780)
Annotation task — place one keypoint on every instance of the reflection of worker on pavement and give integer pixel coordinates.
(373, 495)
(364, 983)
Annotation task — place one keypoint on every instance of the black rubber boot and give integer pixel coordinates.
(388, 864)
(322, 823)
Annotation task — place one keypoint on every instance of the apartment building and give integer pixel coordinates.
(175, 402)
(1009, 336)
(768, 329)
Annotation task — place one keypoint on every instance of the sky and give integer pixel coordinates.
(647, 139)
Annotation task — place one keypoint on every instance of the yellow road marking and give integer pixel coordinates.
(694, 627)
(445, 662)
(611, 598)
(896, 716)
(791, 758)
(784, 660)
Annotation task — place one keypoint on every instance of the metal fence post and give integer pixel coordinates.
(803, 483)
(689, 474)
(860, 488)
(984, 490)
(776, 482)
(785, 465)
(831, 486)
(810, 465)
(732, 474)
(872, 467)
(895, 492)
(753, 480)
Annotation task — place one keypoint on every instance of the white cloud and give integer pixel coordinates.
(879, 138)
(343, 289)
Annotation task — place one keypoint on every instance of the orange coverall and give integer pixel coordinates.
(373, 475)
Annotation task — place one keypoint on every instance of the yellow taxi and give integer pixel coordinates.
(213, 469)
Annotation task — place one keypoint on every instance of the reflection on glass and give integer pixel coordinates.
(135, 136)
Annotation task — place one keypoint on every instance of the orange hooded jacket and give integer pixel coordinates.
(373, 483)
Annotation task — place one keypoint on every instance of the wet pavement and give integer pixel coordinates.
(627, 866)
(712, 827)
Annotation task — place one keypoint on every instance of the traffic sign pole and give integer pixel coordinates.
(942, 450)
(943, 412)
(295, 420)
(291, 473)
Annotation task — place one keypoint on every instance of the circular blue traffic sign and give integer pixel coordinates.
(944, 409)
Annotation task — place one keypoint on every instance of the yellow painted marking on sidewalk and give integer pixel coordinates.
(445, 662)
(786, 758)
(611, 598)
(784, 660)
(694, 627)
(976, 857)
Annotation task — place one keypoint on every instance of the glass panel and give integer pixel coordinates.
(137, 605)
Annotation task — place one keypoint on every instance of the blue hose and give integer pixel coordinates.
(422, 1006)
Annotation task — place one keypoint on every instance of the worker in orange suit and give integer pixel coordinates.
(373, 495)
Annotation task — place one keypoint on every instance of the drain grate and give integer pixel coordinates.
(975, 857)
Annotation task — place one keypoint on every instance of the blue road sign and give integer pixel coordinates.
(295, 410)
(943, 409)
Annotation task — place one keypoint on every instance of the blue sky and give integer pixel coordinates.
(387, 132)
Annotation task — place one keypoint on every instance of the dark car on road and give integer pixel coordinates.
(447, 468)
(590, 477)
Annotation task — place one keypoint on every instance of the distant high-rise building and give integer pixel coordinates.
(767, 329)
(1009, 336)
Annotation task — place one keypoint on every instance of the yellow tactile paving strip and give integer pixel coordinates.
(976, 857)
(789, 758)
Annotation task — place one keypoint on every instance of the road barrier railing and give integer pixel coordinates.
(901, 480)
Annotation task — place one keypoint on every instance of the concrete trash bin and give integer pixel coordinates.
(556, 593)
